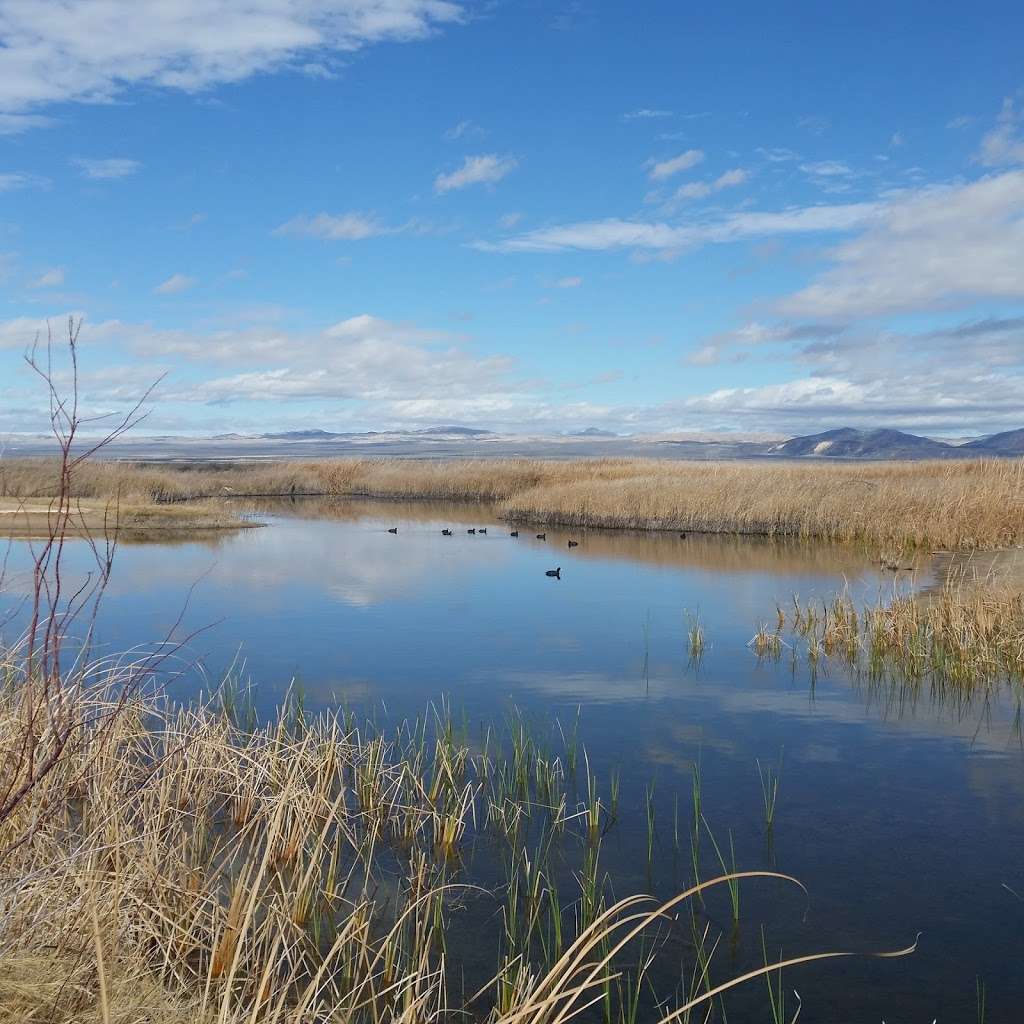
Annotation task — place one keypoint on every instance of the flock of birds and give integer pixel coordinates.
(556, 573)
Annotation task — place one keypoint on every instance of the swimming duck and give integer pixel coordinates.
(574, 543)
(471, 531)
(542, 536)
(514, 533)
(446, 533)
(557, 573)
(394, 529)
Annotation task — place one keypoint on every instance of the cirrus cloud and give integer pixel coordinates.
(107, 169)
(487, 169)
(659, 170)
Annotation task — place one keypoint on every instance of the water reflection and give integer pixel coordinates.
(901, 808)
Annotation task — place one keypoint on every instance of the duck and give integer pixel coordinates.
(682, 536)
(483, 529)
(394, 529)
(471, 531)
(542, 536)
(446, 533)
(514, 533)
(557, 573)
(574, 543)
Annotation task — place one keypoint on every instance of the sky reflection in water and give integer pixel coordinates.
(901, 815)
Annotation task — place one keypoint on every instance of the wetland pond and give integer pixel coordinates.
(900, 809)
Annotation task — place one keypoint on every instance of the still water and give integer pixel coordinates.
(900, 813)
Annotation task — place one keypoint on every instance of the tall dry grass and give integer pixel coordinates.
(963, 640)
(179, 866)
(961, 504)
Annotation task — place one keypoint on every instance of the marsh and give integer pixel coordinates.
(901, 810)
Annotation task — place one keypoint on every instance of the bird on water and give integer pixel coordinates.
(514, 533)
(542, 536)
(483, 529)
(394, 529)
(574, 543)
(471, 531)
(446, 533)
(557, 573)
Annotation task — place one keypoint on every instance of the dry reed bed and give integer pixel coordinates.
(176, 867)
(963, 640)
(962, 504)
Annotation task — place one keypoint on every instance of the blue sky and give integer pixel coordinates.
(531, 217)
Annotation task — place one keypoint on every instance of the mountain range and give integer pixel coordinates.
(851, 443)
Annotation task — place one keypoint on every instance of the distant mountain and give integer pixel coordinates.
(300, 435)
(594, 432)
(463, 431)
(1009, 442)
(850, 443)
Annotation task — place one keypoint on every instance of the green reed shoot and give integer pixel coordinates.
(776, 993)
(729, 869)
(770, 777)
(649, 808)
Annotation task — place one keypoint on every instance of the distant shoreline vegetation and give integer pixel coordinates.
(946, 504)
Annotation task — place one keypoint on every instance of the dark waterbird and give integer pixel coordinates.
(446, 533)
(471, 531)
(557, 573)
(514, 533)
(483, 529)
(394, 529)
(682, 536)
(542, 536)
(574, 543)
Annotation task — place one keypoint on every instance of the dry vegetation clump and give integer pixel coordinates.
(927, 504)
(176, 866)
(964, 638)
(958, 504)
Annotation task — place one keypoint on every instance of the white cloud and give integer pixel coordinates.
(934, 248)
(735, 345)
(350, 227)
(476, 170)
(645, 114)
(814, 123)
(21, 331)
(15, 124)
(827, 169)
(362, 358)
(16, 180)
(703, 189)
(778, 154)
(1004, 144)
(659, 170)
(462, 130)
(509, 220)
(963, 378)
(567, 282)
(55, 51)
(52, 278)
(174, 284)
(106, 169)
(599, 235)
(897, 139)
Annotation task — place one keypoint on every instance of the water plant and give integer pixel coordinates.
(695, 637)
(770, 776)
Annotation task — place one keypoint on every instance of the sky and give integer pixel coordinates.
(531, 216)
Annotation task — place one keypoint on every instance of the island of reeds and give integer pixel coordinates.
(964, 504)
